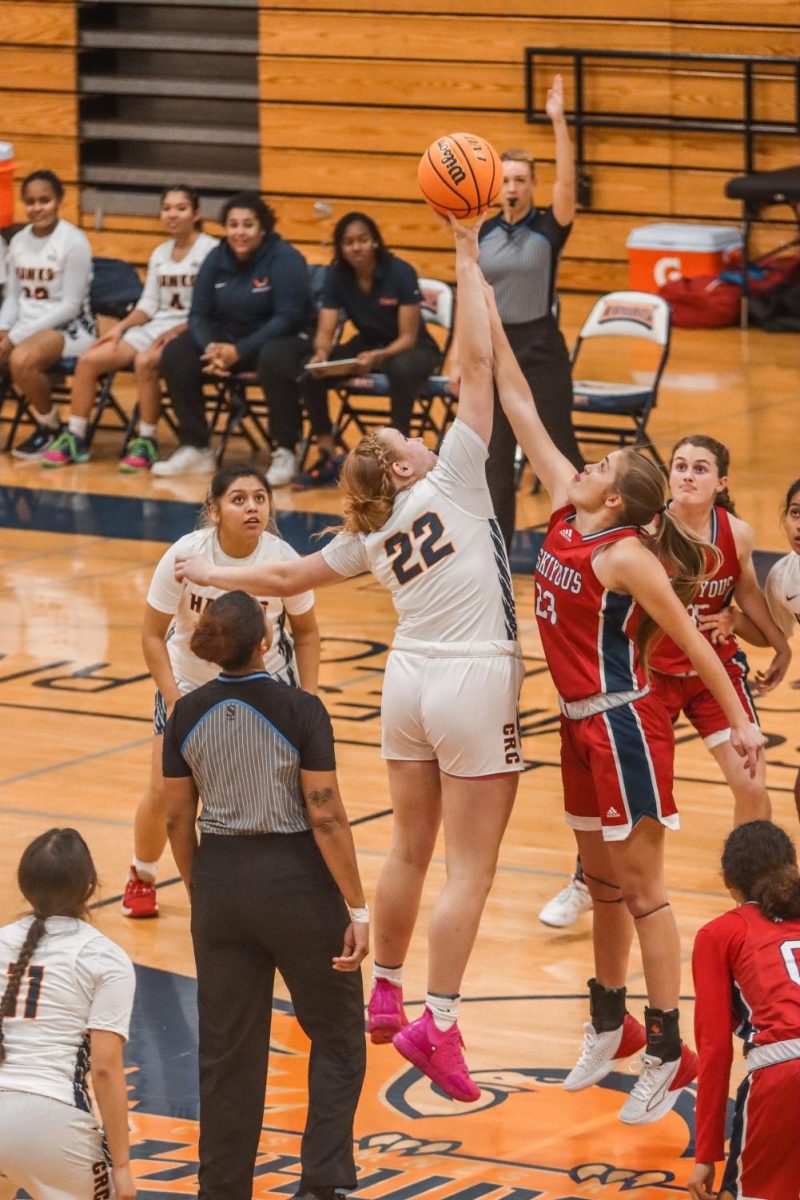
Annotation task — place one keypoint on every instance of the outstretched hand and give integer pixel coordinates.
(554, 104)
(194, 568)
(466, 237)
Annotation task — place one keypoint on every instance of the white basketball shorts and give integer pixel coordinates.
(52, 1150)
(455, 703)
(141, 337)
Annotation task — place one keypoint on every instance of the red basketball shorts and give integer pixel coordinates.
(764, 1159)
(616, 767)
(688, 694)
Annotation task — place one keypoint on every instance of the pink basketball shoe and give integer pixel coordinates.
(438, 1055)
(385, 1012)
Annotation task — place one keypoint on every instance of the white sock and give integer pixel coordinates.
(146, 871)
(444, 1010)
(78, 426)
(49, 420)
(147, 430)
(390, 974)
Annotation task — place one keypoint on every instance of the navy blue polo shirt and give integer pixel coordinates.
(374, 313)
(520, 262)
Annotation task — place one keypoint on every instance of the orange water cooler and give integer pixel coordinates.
(7, 168)
(658, 253)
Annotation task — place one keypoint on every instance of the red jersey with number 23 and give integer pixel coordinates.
(713, 595)
(588, 632)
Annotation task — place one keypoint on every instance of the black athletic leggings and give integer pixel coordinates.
(407, 373)
(542, 354)
(277, 365)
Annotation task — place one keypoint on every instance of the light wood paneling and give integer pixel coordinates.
(485, 39)
(499, 88)
(740, 12)
(644, 191)
(337, 129)
(58, 154)
(35, 69)
(40, 23)
(39, 114)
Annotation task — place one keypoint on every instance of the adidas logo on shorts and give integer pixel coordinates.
(611, 812)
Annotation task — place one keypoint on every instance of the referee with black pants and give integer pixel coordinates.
(274, 885)
(519, 253)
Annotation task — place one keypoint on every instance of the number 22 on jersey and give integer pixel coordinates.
(412, 553)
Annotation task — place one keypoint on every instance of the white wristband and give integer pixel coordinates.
(359, 916)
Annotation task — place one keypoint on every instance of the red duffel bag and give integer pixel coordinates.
(702, 301)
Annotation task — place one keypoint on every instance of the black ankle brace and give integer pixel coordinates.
(606, 1006)
(663, 1033)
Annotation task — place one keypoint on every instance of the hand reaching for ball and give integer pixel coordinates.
(466, 237)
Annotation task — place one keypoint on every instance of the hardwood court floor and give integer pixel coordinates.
(75, 705)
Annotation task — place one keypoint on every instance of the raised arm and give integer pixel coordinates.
(476, 394)
(564, 186)
(550, 465)
(263, 579)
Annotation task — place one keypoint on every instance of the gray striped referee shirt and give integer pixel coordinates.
(520, 262)
(245, 739)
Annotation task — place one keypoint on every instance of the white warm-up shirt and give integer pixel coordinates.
(77, 980)
(188, 600)
(169, 283)
(440, 553)
(48, 283)
(783, 592)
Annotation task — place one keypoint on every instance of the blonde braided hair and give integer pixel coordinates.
(367, 485)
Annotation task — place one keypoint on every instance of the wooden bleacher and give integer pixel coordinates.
(351, 91)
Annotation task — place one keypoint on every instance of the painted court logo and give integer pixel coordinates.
(525, 1138)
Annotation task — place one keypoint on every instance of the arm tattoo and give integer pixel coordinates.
(318, 798)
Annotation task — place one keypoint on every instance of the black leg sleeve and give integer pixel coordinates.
(542, 354)
(278, 366)
(407, 373)
(183, 373)
(315, 389)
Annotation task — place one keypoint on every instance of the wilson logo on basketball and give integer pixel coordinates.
(450, 162)
(618, 310)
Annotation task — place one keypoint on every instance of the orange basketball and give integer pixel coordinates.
(460, 174)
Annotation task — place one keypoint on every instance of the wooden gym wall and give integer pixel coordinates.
(353, 90)
(38, 90)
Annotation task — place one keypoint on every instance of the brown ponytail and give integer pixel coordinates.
(684, 555)
(759, 860)
(57, 877)
(368, 489)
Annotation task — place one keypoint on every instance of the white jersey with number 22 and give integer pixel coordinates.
(440, 553)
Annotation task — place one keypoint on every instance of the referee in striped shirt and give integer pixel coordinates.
(274, 885)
